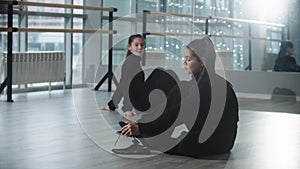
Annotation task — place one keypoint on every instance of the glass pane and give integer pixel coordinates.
(45, 41)
(150, 5)
(125, 7)
(174, 52)
(77, 52)
(119, 52)
(47, 9)
(78, 11)
(45, 22)
(126, 28)
(3, 35)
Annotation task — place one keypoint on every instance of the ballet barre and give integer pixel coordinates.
(56, 30)
(207, 18)
(10, 30)
(217, 18)
(40, 4)
(216, 36)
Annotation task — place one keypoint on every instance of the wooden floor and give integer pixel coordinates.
(66, 130)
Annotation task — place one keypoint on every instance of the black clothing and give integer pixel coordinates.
(139, 92)
(223, 137)
(286, 64)
(167, 82)
(130, 68)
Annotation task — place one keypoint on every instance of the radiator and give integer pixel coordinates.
(35, 67)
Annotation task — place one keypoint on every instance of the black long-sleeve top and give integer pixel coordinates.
(286, 64)
(130, 68)
(224, 135)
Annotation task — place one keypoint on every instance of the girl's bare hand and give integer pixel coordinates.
(105, 108)
(132, 128)
(130, 113)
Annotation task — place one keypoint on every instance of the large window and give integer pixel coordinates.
(45, 41)
(3, 35)
(231, 38)
(125, 7)
(49, 18)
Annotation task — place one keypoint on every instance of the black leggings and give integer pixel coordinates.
(161, 79)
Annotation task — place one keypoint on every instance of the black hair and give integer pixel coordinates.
(130, 40)
(284, 46)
